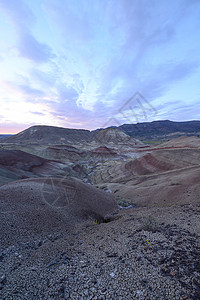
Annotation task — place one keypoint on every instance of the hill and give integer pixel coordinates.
(183, 141)
(114, 135)
(156, 130)
(62, 136)
(32, 208)
(17, 164)
(50, 135)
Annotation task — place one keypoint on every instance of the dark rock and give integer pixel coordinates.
(144, 281)
(111, 254)
(2, 281)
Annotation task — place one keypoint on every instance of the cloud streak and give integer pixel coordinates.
(23, 20)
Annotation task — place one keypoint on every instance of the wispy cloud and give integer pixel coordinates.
(23, 20)
(30, 48)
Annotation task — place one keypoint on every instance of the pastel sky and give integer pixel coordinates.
(77, 63)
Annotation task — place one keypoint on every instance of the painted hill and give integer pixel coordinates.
(124, 134)
(17, 164)
(163, 160)
(114, 135)
(63, 136)
(50, 135)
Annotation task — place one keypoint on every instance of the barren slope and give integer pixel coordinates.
(175, 187)
(37, 207)
(17, 164)
(50, 135)
(183, 141)
(115, 136)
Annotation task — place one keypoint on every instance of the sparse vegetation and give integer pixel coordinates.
(153, 142)
(150, 224)
(175, 183)
(123, 202)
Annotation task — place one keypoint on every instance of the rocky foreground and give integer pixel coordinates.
(140, 253)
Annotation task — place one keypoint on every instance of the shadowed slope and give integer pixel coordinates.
(37, 207)
(17, 164)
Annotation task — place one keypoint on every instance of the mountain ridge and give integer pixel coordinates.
(162, 128)
(146, 130)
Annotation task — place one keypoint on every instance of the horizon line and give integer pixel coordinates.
(13, 133)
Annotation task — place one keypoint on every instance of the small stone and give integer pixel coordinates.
(94, 281)
(40, 244)
(139, 293)
(103, 291)
(86, 292)
(144, 281)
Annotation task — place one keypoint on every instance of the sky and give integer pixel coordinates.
(96, 63)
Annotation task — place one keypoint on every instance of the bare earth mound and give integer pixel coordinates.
(184, 141)
(163, 160)
(176, 187)
(37, 207)
(17, 164)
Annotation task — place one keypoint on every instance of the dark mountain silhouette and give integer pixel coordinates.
(4, 136)
(161, 128)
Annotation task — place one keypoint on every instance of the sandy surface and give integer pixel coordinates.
(142, 254)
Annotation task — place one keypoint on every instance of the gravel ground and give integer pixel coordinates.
(141, 254)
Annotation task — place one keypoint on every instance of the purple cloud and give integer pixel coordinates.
(30, 48)
(23, 20)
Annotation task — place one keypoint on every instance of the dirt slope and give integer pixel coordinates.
(183, 141)
(175, 187)
(17, 164)
(33, 207)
